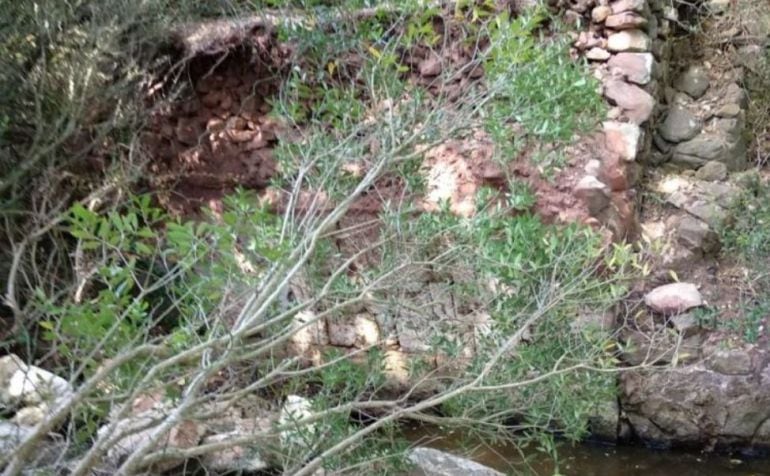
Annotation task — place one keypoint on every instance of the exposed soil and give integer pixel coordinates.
(222, 136)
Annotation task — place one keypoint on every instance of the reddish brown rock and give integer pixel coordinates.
(186, 133)
(594, 194)
(211, 99)
(635, 67)
(430, 66)
(614, 173)
(621, 216)
(622, 138)
(637, 104)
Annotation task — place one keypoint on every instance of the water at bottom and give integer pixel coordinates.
(590, 459)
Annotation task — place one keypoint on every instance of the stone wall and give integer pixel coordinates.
(625, 42)
(677, 109)
(664, 111)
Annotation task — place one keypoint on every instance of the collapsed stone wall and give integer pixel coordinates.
(661, 115)
(625, 43)
(657, 115)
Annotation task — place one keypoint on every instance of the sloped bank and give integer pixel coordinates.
(665, 113)
(677, 118)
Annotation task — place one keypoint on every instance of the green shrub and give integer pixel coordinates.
(212, 297)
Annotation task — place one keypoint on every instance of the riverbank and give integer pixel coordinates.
(592, 459)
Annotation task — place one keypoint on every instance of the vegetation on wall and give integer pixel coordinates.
(104, 287)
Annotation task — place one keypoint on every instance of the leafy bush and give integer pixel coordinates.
(130, 300)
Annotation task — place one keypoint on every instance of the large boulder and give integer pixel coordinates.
(724, 401)
(711, 202)
(432, 462)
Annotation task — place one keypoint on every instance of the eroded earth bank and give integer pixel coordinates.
(671, 179)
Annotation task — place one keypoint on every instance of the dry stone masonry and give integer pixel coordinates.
(619, 43)
(672, 107)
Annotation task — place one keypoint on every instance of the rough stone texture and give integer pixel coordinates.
(709, 201)
(603, 424)
(622, 138)
(594, 194)
(697, 405)
(713, 171)
(361, 331)
(615, 173)
(730, 362)
(687, 161)
(685, 324)
(30, 416)
(637, 104)
(625, 21)
(729, 110)
(659, 346)
(9, 365)
(598, 54)
(711, 146)
(674, 298)
(729, 127)
(679, 125)
(694, 81)
(312, 333)
(717, 6)
(621, 217)
(734, 94)
(432, 462)
(587, 40)
(629, 40)
(696, 235)
(710, 212)
(635, 67)
(593, 167)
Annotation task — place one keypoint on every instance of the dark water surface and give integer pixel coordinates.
(594, 460)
